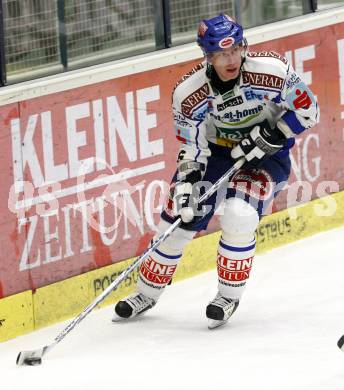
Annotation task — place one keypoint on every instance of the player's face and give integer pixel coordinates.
(227, 62)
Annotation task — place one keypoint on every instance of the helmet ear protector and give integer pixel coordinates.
(220, 33)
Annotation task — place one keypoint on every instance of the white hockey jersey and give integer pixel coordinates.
(268, 89)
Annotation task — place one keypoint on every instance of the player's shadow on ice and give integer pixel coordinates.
(164, 323)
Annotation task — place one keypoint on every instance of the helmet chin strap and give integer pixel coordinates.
(245, 46)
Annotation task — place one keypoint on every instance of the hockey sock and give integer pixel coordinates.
(234, 262)
(157, 271)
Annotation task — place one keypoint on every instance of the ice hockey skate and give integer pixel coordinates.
(132, 306)
(219, 310)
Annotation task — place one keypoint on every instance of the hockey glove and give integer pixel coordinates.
(185, 196)
(260, 143)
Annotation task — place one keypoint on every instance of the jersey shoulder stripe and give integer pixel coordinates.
(197, 75)
(267, 54)
(265, 72)
(266, 63)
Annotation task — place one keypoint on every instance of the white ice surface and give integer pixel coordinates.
(283, 336)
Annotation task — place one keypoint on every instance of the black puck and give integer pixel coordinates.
(340, 343)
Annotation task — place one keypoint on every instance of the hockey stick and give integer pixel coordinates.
(34, 357)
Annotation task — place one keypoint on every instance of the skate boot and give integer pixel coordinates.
(219, 310)
(132, 306)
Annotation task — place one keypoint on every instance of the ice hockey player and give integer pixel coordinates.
(234, 104)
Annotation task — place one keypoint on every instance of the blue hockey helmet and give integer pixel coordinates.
(219, 33)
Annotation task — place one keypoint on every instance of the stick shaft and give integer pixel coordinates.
(117, 281)
(137, 262)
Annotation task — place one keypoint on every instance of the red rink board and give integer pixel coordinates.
(107, 152)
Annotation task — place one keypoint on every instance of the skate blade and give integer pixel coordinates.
(117, 318)
(212, 324)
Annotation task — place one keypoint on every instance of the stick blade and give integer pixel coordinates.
(340, 343)
(30, 358)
